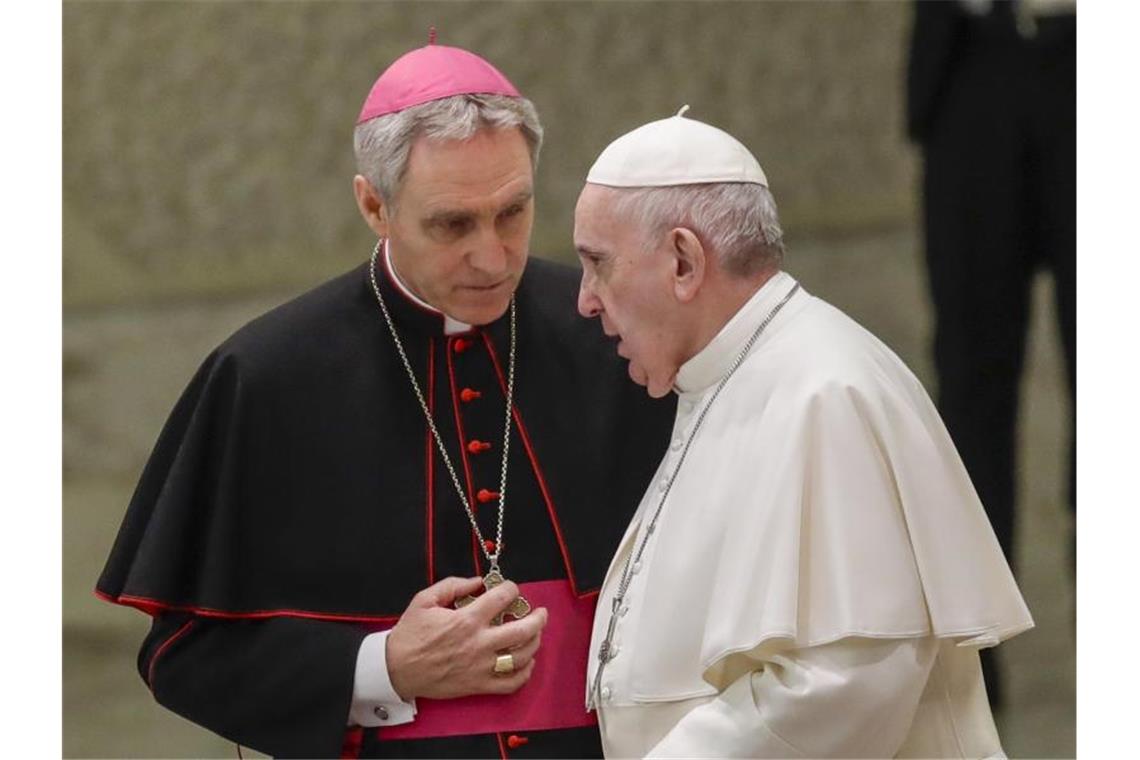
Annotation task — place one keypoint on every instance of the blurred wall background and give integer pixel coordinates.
(207, 169)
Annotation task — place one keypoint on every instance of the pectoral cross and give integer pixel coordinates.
(519, 608)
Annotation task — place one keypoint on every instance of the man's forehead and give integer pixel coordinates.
(484, 169)
(598, 230)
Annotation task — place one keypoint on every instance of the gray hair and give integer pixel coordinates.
(738, 221)
(382, 144)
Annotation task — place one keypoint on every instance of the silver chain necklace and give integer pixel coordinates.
(494, 577)
(605, 651)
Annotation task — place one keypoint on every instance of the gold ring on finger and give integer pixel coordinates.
(504, 663)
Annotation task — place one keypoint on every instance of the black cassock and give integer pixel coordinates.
(295, 501)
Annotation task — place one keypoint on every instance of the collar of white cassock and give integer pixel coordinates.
(711, 362)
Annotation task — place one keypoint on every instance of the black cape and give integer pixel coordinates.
(296, 477)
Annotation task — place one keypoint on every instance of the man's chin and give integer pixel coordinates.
(478, 314)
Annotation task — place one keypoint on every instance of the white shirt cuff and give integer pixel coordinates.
(374, 701)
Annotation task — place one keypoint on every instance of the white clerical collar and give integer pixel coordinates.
(450, 325)
(711, 362)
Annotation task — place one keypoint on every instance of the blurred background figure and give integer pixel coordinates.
(991, 99)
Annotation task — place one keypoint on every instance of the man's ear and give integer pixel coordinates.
(690, 262)
(371, 205)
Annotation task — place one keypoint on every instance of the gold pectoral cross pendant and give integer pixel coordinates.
(519, 608)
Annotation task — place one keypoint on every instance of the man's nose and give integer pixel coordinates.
(588, 303)
(489, 253)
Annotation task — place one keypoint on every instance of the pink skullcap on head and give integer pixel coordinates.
(430, 73)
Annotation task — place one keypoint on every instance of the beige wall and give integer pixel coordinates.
(207, 145)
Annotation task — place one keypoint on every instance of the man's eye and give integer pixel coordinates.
(456, 227)
(511, 212)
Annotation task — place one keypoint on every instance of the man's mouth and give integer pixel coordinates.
(487, 288)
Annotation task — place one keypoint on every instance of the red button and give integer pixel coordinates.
(485, 496)
(478, 447)
(467, 394)
(489, 545)
(514, 741)
(461, 345)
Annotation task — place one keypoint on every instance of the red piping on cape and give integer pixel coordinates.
(430, 468)
(353, 741)
(463, 451)
(162, 649)
(537, 471)
(502, 747)
(151, 606)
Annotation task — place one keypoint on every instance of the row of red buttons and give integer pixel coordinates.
(475, 446)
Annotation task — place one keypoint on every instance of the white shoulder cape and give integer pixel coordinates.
(821, 499)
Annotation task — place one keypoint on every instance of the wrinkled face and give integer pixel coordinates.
(630, 287)
(460, 232)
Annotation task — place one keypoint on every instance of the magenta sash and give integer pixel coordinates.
(554, 697)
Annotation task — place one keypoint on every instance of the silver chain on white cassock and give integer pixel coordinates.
(605, 650)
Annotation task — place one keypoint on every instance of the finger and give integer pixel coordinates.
(524, 655)
(490, 604)
(517, 633)
(509, 684)
(445, 592)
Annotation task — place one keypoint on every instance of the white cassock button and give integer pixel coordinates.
(636, 567)
(624, 609)
(661, 486)
(613, 651)
(606, 693)
(676, 444)
(686, 406)
(380, 712)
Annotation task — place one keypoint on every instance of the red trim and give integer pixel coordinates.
(463, 453)
(353, 741)
(535, 466)
(152, 606)
(162, 649)
(430, 469)
(502, 747)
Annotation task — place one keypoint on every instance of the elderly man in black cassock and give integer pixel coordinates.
(376, 522)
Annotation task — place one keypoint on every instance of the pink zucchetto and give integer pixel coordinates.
(430, 73)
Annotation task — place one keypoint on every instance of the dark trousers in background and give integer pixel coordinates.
(999, 197)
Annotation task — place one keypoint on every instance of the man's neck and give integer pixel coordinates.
(726, 296)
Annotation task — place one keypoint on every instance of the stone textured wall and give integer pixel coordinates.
(207, 146)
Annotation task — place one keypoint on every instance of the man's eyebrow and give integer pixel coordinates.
(585, 250)
(445, 216)
(520, 197)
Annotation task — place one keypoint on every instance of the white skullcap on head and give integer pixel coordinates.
(675, 151)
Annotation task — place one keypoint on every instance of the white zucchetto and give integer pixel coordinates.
(675, 151)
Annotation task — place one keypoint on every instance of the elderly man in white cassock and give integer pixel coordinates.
(810, 572)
